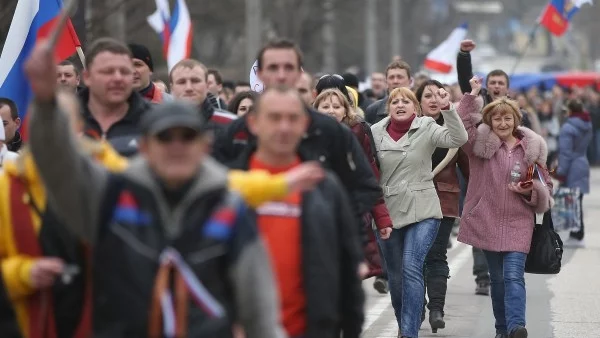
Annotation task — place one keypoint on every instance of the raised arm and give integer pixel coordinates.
(73, 182)
(469, 110)
(464, 67)
(453, 133)
(259, 186)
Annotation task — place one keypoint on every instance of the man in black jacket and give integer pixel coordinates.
(112, 109)
(308, 236)
(497, 81)
(326, 140)
(166, 228)
(189, 82)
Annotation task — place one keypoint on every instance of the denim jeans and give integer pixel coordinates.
(507, 276)
(597, 141)
(405, 253)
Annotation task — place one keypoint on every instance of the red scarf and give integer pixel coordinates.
(397, 129)
(585, 116)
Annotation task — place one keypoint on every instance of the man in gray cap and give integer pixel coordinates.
(164, 232)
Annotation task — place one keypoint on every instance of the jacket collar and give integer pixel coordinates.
(16, 143)
(487, 144)
(210, 176)
(242, 162)
(137, 106)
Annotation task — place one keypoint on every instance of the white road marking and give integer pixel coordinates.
(384, 303)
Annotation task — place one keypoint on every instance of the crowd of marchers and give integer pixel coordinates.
(194, 208)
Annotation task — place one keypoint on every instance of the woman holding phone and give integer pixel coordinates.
(501, 201)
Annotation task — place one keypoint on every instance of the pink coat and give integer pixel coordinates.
(495, 218)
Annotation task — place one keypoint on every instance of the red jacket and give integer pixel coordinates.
(380, 212)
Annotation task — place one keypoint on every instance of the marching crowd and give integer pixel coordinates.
(200, 208)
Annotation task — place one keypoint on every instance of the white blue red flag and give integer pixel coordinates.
(443, 57)
(33, 21)
(558, 13)
(175, 30)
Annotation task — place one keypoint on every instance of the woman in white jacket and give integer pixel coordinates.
(4, 153)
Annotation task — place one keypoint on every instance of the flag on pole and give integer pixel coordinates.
(33, 21)
(443, 57)
(175, 30)
(558, 13)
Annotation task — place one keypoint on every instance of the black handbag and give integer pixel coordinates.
(545, 253)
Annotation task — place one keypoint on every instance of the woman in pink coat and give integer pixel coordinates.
(500, 208)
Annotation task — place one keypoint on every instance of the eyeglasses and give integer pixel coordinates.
(184, 135)
(337, 76)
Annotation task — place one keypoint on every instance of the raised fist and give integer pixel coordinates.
(467, 45)
(443, 98)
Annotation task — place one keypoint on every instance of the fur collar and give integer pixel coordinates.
(487, 144)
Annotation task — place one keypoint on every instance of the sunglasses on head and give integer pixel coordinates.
(183, 135)
(337, 76)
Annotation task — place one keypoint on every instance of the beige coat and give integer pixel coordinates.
(406, 176)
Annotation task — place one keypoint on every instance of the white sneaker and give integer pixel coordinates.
(574, 243)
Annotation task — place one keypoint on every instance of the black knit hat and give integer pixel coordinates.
(142, 53)
(332, 81)
(351, 80)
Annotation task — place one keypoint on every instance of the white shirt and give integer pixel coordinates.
(6, 155)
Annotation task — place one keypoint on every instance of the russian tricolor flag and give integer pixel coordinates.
(175, 30)
(558, 13)
(443, 57)
(33, 20)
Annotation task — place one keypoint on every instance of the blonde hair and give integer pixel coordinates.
(502, 106)
(405, 93)
(351, 118)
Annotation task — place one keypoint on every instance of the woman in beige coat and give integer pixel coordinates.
(405, 143)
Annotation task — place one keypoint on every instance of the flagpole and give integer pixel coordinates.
(81, 56)
(526, 48)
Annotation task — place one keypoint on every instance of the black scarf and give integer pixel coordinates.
(440, 153)
(16, 143)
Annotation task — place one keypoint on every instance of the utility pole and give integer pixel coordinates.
(371, 37)
(329, 40)
(396, 34)
(253, 30)
(115, 23)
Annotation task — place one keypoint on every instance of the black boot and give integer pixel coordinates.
(436, 320)
(436, 290)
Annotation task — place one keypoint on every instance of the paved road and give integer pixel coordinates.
(566, 305)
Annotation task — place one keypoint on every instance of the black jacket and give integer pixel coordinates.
(327, 141)
(364, 102)
(376, 111)
(217, 119)
(464, 68)
(124, 133)
(331, 251)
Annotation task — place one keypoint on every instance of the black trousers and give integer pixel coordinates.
(436, 267)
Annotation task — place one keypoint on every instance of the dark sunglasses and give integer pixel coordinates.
(184, 135)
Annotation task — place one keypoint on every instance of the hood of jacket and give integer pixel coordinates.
(487, 144)
(579, 124)
(210, 176)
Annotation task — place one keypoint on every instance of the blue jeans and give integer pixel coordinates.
(507, 281)
(404, 254)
